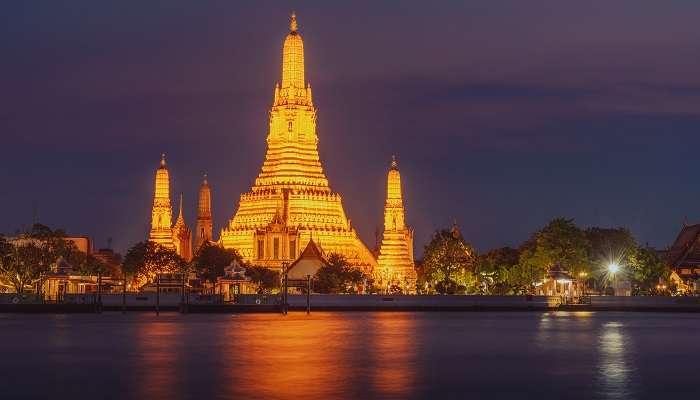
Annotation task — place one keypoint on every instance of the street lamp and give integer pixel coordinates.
(613, 268)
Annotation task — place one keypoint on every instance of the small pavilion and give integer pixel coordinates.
(558, 282)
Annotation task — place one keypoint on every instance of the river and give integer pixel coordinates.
(380, 355)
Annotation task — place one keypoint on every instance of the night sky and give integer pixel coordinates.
(502, 114)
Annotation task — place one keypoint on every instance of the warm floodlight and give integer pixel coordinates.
(613, 268)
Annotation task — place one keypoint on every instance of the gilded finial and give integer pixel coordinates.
(180, 212)
(394, 164)
(205, 179)
(293, 23)
(455, 229)
(162, 160)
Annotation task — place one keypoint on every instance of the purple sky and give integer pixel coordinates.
(503, 114)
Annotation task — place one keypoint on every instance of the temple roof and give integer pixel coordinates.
(311, 252)
(684, 249)
(310, 260)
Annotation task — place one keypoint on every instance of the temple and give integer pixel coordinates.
(291, 200)
(204, 221)
(177, 237)
(396, 269)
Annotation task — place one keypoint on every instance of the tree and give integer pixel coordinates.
(560, 241)
(23, 266)
(211, 259)
(449, 263)
(338, 276)
(492, 270)
(90, 265)
(265, 278)
(145, 259)
(646, 268)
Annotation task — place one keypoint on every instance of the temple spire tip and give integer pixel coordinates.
(293, 26)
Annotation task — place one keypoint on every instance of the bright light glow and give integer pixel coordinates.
(613, 268)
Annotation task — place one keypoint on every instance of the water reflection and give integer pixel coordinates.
(394, 349)
(159, 341)
(296, 355)
(613, 369)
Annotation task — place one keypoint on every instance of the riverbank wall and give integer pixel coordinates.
(321, 302)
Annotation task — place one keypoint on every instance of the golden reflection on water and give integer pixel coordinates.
(613, 369)
(292, 355)
(319, 356)
(564, 329)
(394, 347)
(158, 344)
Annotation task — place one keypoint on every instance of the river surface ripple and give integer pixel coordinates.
(381, 355)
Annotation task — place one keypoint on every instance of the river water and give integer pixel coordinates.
(381, 355)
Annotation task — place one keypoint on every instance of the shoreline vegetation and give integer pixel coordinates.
(37, 266)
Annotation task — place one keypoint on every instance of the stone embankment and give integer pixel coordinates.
(319, 302)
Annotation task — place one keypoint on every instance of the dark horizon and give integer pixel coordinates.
(502, 116)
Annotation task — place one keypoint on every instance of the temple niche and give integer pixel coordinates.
(291, 201)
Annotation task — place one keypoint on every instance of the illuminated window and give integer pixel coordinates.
(293, 249)
(261, 249)
(276, 249)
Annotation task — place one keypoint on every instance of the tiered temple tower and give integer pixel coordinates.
(291, 201)
(177, 237)
(396, 265)
(204, 222)
(182, 236)
(162, 212)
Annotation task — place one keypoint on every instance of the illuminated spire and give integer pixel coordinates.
(180, 219)
(293, 58)
(204, 209)
(393, 186)
(293, 26)
(182, 236)
(395, 259)
(204, 222)
(162, 181)
(162, 212)
(393, 209)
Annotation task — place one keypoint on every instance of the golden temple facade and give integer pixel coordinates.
(396, 264)
(291, 201)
